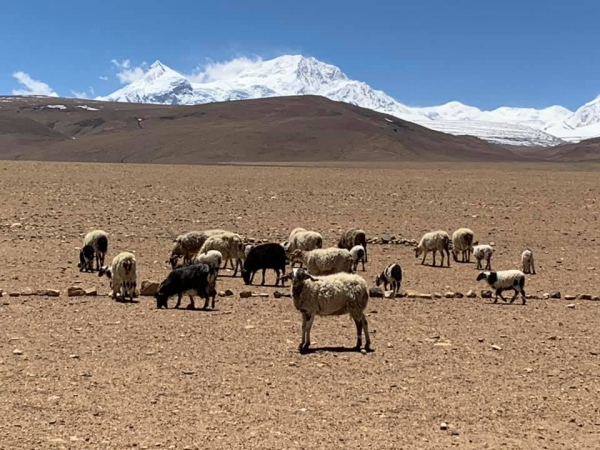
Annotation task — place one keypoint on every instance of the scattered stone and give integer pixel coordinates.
(91, 292)
(571, 305)
(27, 291)
(386, 238)
(584, 297)
(480, 339)
(496, 347)
(389, 294)
(454, 433)
(14, 294)
(249, 327)
(375, 292)
(493, 244)
(188, 372)
(74, 356)
(437, 295)
(555, 294)
(449, 294)
(443, 426)
(553, 338)
(595, 298)
(228, 293)
(264, 295)
(221, 293)
(363, 351)
(591, 268)
(546, 295)
(486, 294)
(570, 297)
(148, 288)
(293, 364)
(15, 225)
(442, 344)
(74, 291)
(471, 294)
(16, 351)
(424, 296)
(52, 293)
(459, 294)
(245, 294)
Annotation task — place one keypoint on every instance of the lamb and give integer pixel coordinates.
(301, 239)
(325, 261)
(358, 255)
(247, 249)
(481, 252)
(462, 241)
(189, 244)
(331, 295)
(86, 259)
(392, 275)
(213, 258)
(98, 240)
(231, 247)
(527, 261)
(122, 275)
(352, 237)
(264, 256)
(504, 280)
(196, 279)
(434, 241)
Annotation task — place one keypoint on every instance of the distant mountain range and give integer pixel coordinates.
(292, 75)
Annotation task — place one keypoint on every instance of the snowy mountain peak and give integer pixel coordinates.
(588, 114)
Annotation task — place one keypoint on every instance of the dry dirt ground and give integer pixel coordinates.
(98, 374)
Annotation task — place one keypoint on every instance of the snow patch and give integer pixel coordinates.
(56, 106)
(88, 108)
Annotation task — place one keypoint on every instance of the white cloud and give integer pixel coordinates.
(103, 78)
(222, 71)
(32, 87)
(128, 74)
(84, 94)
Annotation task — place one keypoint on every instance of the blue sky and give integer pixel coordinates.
(528, 53)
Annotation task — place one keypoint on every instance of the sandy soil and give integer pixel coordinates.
(99, 374)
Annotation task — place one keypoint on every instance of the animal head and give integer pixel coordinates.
(105, 271)
(161, 297)
(298, 275)
(246, 275)
(174, 260)
(378, 280)
(296, 255)
(86, 256)
(418, 252)
(491, 277)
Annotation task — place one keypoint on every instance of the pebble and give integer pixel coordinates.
(555, 294)
(449, 294)
(375, 292)
(148, 288)
(74, 291)
(249, 327)
(546, 296)
(228, 292)
(437, 295)
(91, 292)
(27, 291)
(16, 351)
(245, 294)
(389, 294)
(571, 305)
(443, 426)
(471, 294)
(52, 293)
(570, 297)
(496, 347)
(486, 294)
(584, 297)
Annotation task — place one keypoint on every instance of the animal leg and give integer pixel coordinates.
(363, 263)
(424, 255)
(488, 265)
(365, 325)
(206, 302)
(532, 268)
(359, 329)
(514, 296)
(434, 253)
(499, 292)
(263, 280)
(178, 301)
(191, 305)
(447, 257)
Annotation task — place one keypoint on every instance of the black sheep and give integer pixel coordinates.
(86, 259)
(264, 256)
(195, 279)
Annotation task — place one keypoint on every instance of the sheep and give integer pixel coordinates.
(196, 279)
(481, 252)
(98, 240)
(325, 261)
(352, 237)
(358, 255)
(264, 256)
(392, 275)
(434, 241)
(331, 295)
(527, 261)
(504, 280)
(231, 247)
(86, 259)
(301, 239)
(122, 275)
(247, 249)
(462, 241)
(189, 244)
(213, 258)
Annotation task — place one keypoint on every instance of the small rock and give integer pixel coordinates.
(188, 372)
(16, 351)
(481, 339)
(386, 238)
(552, 338)
(14, 294)
(546, 295)
(571, 305)
(249, 327)
(228, 293)
(471, 294)
(449, 294)
(437, 295)
(148, 288)
(74, 291)
(459, 294)
(389, 294)
(375, 292)
(245, 294)
(27, 291)
(555, 294)
(496, 347)
(570, 297)
(486, 294)
(293, 364)
(443, 426)
(221, 293)
(363, 351)
(454, 433)
(442, 344)
(91, 292)
(16, 225)
(595, 298)
(52, 293)
(425, 296)
(493, 244)
(74, 356)
(277, 294)
(264, 295)
(584, 297)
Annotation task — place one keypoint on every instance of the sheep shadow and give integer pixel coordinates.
(333, 349)
(196, 309)
(125, 301)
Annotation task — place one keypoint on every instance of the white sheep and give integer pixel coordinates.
(231, 247)
(504, 280)
(481, 252)
(190, 243)
(392, 275)
(358, 255)
(325, 261)
(213, 258)
(434, 241)
(352, 237)
(301, 239)
(98, 240)
(462, 241)
(122, 275)
(527, 261)
(247, 249)
(331, 295)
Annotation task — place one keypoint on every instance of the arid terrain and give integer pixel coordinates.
(87, 372)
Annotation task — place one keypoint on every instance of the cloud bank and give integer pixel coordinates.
(31, 86)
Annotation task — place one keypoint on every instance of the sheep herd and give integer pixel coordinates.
(325, 284)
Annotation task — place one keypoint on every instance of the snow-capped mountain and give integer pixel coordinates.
(299, 75)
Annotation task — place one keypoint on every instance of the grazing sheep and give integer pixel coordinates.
(189, 244)
(358, 255)
(264, 256)
(324, 261)
(352, 237)
(331, 295)
(434, 241)
(213, 258)
(301, 239)
(122, 275)
(231, 247)
(462, 241)
(86, 259)
(196, 279)
(392, 275)
(98, 240)
(527, 260)
(504, 280)
(481, 252)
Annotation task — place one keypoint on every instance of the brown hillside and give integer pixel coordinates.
(285, 129)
